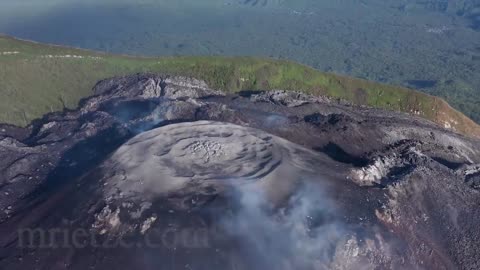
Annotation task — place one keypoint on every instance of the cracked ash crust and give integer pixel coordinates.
(398, 192)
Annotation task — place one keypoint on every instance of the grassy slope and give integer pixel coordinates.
(33, 84)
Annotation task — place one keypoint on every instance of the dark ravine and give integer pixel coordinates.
(273, 180)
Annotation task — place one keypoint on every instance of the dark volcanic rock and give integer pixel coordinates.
(154, 172)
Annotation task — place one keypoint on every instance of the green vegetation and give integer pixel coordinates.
(433, 46)
(36, 79)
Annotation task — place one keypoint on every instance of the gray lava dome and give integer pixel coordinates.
(200, 156)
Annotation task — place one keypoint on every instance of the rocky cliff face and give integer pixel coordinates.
(166, 173)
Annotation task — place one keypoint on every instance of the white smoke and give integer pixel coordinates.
(301, 234)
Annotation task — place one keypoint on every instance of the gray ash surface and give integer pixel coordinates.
(191, 178)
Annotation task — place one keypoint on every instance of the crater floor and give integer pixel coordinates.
(166, 173)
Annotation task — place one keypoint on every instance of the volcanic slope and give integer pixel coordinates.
(37, 78)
